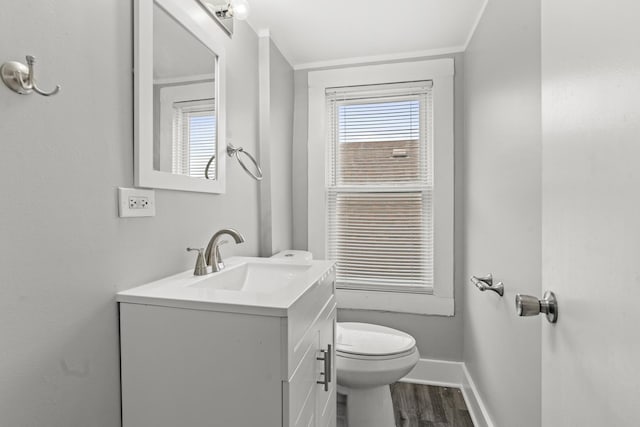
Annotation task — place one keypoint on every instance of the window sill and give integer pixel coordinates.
(424, 304)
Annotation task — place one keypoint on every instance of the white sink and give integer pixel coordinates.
(265, 286)
(263, 278)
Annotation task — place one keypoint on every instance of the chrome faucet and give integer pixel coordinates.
(212, 255)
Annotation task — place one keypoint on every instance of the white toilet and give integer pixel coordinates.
(368, 359)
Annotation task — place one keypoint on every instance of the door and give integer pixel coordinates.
(591, 212)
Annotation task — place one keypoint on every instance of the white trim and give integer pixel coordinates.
(195, 19)
(441, 71)
(445, 373)
(442, 373)
(380, 58)
(395, 302)
(184, 79)
(475, 24)
(475, 405)
(264, 32)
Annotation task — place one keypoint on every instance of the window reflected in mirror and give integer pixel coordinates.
(184, 100)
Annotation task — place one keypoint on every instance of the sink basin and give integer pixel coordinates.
(249, 285)
(255, 277)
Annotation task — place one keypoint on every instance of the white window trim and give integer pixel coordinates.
(441, 72)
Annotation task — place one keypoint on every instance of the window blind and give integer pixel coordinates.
(195, 137)
(380, 186)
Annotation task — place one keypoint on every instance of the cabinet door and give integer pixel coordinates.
(326, 399)
(306, 403)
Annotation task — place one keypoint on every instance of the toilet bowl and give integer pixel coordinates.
(368, 359)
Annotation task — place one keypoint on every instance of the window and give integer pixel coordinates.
(194, 129)
(379, 215)
(380, 183)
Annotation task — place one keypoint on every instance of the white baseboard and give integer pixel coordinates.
(436, 372)
(475, 405)
(445, 373)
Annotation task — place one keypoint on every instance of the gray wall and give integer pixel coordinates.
(281, 108)
(64, 252)
(276, 139)
(437, 337)
(502, 225)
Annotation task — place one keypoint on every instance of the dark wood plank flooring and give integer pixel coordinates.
(416, 405)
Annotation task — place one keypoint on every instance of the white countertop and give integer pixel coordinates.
(184, 290)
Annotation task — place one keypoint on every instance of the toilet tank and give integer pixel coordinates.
(294, 255)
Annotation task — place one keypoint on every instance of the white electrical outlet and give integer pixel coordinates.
(134, 202)
(138, 202)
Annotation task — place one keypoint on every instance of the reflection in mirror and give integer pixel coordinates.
(184, 100)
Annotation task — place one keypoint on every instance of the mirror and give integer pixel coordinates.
(184, 119)
(179, 98)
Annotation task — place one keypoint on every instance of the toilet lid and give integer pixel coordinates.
(371, 340)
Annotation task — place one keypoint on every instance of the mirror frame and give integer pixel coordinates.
(194, 19)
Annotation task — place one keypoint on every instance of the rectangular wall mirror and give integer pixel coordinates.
(179, 97)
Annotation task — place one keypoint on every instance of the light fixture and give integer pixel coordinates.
(239, 9)
(225, 11)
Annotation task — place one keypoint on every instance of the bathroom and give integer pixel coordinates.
(545, 121)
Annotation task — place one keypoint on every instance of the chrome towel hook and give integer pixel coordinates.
(20, 78)
(486, 283)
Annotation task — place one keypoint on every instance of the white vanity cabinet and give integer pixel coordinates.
(229, 365)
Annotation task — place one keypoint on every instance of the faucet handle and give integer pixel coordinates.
(201, 266)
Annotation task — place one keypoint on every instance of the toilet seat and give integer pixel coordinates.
(373, 358)
(372, 342)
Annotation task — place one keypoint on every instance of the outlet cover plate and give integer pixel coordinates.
(136, 202)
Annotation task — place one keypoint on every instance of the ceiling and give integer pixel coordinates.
(314, 33)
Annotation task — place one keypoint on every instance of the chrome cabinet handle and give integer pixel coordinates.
(486, 282)
(329, 354)
(326, 357)
(527, 305)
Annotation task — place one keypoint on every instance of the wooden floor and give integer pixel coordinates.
(416, 405)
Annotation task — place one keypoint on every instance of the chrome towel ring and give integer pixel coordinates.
(236, 151)
(233, 151)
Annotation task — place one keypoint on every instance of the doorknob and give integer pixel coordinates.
(527, 305)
